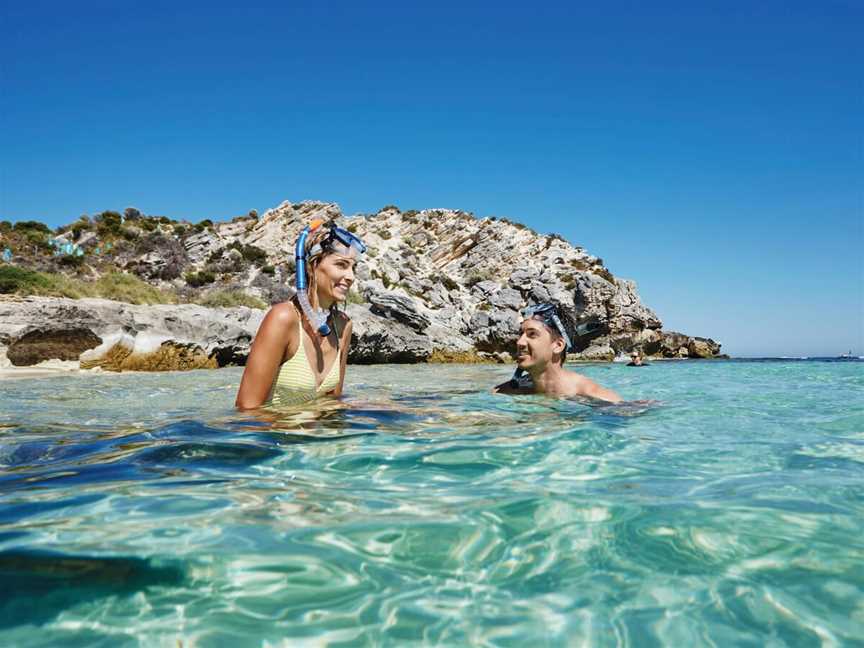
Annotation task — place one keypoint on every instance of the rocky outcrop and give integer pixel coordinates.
(436, 282)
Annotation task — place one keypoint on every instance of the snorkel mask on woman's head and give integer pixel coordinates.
(337, 240)
(548, 314)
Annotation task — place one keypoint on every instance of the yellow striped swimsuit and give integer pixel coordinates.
(295, 383)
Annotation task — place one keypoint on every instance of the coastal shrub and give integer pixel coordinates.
(569, 281)
(384, 234)
(109, 223)
(31, 226)
(579, 264)
(253, 213)
(410, 214)
(352, 228)
(229, 299)
(268, 269)
(449, 284)
(552, 238)
(479, 275)
(204, 224)
(388, 208)
(131, 213)
(80, 226)
(179, 230)
(5, 227)
(603, 272)
(15, 280)
(129, 233)
(252, 253)
(70, 261)
(198, 279)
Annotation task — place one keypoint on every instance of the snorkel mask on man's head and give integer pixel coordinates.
(337, 240)
(548, 314)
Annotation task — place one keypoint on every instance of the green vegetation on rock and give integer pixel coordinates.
(116, 286)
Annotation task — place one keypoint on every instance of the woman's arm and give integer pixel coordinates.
(345, 342)
(276, 333)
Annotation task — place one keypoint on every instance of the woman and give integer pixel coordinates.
(301, 348)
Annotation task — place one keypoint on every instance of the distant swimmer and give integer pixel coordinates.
(301, 348)
(636, 360)
(541, 351)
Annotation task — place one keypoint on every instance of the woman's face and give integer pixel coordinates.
(334, 275)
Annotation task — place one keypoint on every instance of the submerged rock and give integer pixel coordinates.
(52, 344)
(169, 356)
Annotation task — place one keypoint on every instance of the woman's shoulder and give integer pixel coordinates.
(280, 321)
(283, 313)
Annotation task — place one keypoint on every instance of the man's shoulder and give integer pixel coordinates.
(579, 385)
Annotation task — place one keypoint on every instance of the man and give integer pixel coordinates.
(540, 353)
(636, 359)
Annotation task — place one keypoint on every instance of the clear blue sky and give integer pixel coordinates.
(710, 151)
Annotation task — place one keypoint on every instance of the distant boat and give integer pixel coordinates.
(847, 356)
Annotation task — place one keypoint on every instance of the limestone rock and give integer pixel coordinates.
(702, 348)
(594, 353)
(400, 308)
(375, 339)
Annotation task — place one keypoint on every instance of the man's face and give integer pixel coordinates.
(536, 346)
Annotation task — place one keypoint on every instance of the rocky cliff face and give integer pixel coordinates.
(435, 283)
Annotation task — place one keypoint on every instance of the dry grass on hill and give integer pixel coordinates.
(116, 286)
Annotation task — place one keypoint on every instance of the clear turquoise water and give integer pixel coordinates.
(142, 510)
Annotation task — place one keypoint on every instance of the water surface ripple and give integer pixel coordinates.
(140, 509)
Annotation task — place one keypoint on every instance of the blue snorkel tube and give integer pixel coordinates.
(316, 316)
